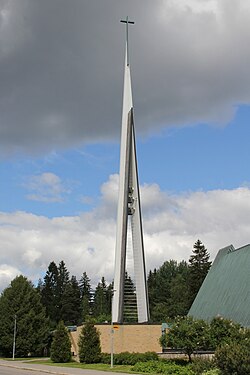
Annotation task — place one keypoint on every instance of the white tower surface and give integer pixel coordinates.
(129, 206)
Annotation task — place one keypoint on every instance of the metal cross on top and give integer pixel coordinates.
(127, 22)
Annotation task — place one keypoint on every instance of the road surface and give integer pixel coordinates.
(22, 368)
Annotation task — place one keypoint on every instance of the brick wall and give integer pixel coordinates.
(126, 338)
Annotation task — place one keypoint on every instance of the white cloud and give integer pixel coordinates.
(7, 274)
(46, 187)
(172, 223)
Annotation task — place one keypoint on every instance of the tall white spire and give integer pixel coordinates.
(129, 206)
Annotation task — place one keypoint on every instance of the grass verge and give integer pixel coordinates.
(90, 366)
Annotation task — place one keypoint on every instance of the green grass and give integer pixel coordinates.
(22, 359)
(92, 366)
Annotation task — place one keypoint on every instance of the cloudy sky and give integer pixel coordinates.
(61, 77)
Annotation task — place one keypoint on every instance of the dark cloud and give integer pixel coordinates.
(61, 67)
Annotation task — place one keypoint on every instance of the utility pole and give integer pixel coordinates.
(14, 339)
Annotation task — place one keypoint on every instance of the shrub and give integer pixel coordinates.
(126, 358)
(215, 371)
(162, 367)
(234, 358)
(202, 366)
(223, 331)
(61, 345)
(89, 344)
(105, 358)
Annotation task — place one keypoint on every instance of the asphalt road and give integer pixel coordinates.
(21, 368)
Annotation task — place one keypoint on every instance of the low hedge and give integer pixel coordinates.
(162, 367)
(126, 358)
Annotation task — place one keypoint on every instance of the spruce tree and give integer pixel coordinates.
(61, 345)
(89, 344)
(48, 293)
(100, 300)
(52, 290)
(85, 295)
(22, 300)
(71, 303)
(199, 266)
(62, 280)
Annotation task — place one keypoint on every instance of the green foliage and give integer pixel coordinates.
(179, 292)
(32, 328)
(223, 331)
(71, 303)
(234, 358)
(168, 290)
(61, 345)
(187, 334)
(232, 342)
(126, 358)
(201, 366)
(159, 312)
(89, 344)
(60, 295)
(48, 292)
(103, 318)
(162, 367)
(85, 295)
(102, 299)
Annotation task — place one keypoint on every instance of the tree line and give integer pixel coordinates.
(173, 287)
(71, 300)
(61, 297)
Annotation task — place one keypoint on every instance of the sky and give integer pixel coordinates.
(61, 82)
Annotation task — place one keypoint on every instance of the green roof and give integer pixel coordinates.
(225, 291)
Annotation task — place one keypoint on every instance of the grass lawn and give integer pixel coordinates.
(92, 366)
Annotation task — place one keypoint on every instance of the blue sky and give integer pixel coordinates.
(61, 74)
(200, 157)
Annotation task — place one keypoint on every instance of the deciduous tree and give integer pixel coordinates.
(187, 334)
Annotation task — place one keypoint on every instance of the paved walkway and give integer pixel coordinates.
(52, 369)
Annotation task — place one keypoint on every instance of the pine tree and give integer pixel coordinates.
(62, 281)
(152, 291)
(199, 266)
(71, 303)
(52, 290)
(100, 300)
(49, 294)
(109, 295)
(21, 300)
(61, 345)
(89, 344)
(85, 293)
